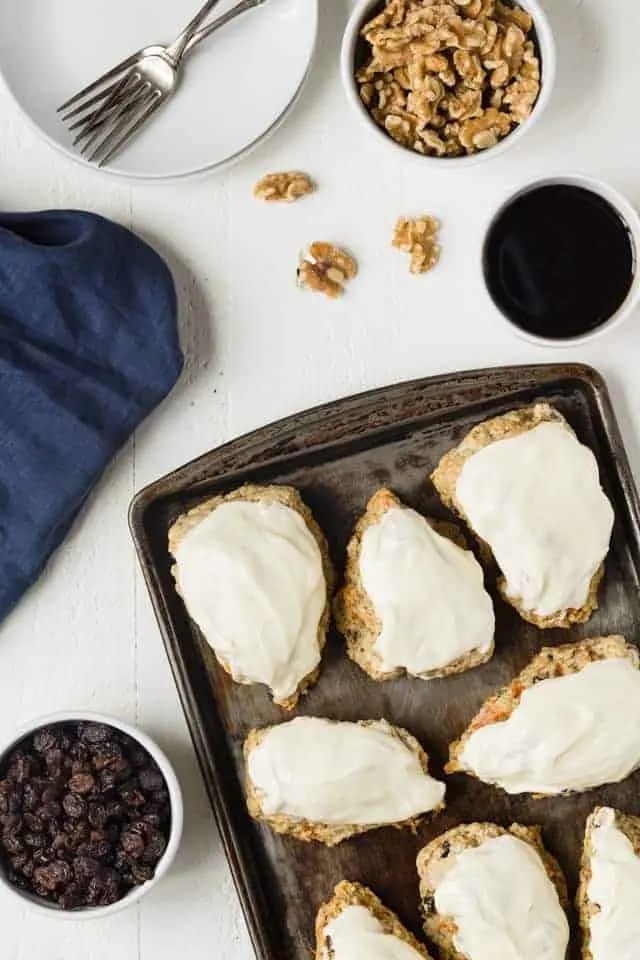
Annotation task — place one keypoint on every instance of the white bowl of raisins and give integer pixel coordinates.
(91, 815)
(450, 82)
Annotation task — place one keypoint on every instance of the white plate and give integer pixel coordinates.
(236, 87)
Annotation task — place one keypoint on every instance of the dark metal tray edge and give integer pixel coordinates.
(313, 429)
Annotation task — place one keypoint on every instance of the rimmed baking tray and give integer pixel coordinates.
(337, 456)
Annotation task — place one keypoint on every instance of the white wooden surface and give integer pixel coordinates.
(258, 349)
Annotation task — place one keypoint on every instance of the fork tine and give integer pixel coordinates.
(100, 136)
(83, 107)
(120, 98)
(93, 87)
(153, 104)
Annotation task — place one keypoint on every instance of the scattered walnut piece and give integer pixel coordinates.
(326, 268)
(418, 238)
(437, 65)
(283, 186)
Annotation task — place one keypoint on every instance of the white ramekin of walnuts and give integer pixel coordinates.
(449, 80)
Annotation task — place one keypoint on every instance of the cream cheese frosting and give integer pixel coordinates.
(614, 887)
(355, 934)
(251, 577)
(503, 903)
(427, 592)
(536, 500)
(340, 773)
(567, 733)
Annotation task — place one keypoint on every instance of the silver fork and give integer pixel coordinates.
(110, 112)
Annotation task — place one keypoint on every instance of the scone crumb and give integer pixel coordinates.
(418, 238)
(283, 186)
(326, 269)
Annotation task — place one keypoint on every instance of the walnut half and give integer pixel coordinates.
(418, 238)
(283, 186)
(326, 268)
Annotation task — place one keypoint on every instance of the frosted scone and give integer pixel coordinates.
(493, 894)
(355, 925)
(609, 893)
(568, 722)
(413, 601)
(531, 492)
(253, 569)
(326, 780)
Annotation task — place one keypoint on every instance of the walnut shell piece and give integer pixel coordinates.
(283, 186)
(417, 237)
(326, 269)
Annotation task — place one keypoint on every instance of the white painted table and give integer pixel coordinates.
(257, 349)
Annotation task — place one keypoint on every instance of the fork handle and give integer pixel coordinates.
(221, 21)
(175, 51)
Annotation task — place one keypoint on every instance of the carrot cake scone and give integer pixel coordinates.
(531, 492)
(253, 569)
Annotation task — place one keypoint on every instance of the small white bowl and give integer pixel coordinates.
(547, 50)
(629, 215)
(177, 816)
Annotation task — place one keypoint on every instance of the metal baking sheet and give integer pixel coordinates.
(337, 456)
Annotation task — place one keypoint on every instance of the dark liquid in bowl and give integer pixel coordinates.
(559, 261)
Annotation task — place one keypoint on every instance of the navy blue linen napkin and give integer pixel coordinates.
(88, 347)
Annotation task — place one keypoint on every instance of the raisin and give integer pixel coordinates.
(76, 832)
(138, 756)
(71, 897)
(104, 754)
(156, 846)
(116, 810)
(52, 791)
(30, 797)
(153, 818)
(79, 753)
(107, 780)
(85, 867)
(48, 811)
(99, 849)
(133, 798)
(132, 843)
(94, 732)
(44, 740)
(122, 769)
(151, 779)
(54, 875)
(97, 815)
(6, 789)
(20, 768)
(32, 822)
(81, 783)
(13, 842)
(33, 840)
(18, 880)
(15, 799)
(19, 861)
(10, 821)
(429, 905)
(74, 806)
(141, 873)
(111, 887)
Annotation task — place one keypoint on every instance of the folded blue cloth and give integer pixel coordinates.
(88, 347)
